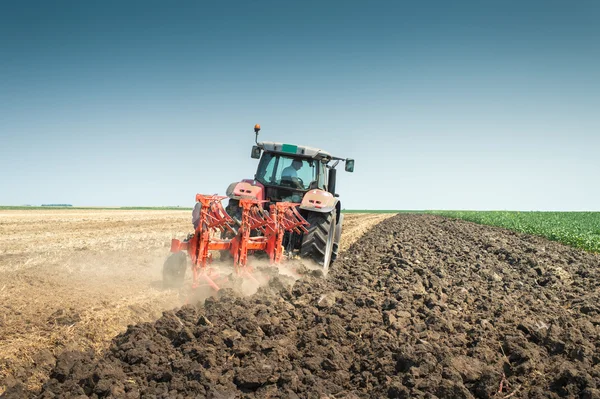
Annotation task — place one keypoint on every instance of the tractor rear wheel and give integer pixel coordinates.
(318, 242)
(174, 270)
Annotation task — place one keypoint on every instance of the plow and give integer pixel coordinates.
(289, 209)
(258, 230)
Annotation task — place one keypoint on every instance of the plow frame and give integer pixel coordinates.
(259, 230)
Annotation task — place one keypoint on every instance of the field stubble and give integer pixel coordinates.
(73, 279)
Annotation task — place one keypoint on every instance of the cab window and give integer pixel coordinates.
(277, 170)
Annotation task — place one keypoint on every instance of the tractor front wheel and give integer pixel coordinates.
(174, 270)
(318, 242)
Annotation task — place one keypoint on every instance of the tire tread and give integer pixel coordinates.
(314, 243)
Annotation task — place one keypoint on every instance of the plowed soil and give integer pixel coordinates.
(421, 306)
(74, 279)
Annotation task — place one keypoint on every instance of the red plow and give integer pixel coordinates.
(259, 230)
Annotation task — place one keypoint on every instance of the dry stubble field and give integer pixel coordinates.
(73, 279)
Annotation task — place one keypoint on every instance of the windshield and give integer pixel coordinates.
(284, 171)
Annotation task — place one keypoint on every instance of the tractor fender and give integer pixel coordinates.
(318, 201)
(246, 189)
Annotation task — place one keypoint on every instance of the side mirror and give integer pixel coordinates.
(349, 165)
(255, 152)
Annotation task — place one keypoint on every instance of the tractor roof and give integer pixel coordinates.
(293, 149)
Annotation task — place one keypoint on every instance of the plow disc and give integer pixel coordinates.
(259, 230)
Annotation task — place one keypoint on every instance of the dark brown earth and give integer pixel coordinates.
(421, 306)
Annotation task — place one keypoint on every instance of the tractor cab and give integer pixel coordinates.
(291, 173)
(288, 171)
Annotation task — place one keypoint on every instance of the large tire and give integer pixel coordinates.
(318, 242)
(174, 270)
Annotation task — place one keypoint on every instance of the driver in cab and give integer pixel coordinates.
(290, 173)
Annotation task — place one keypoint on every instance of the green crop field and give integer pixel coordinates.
(579, 229)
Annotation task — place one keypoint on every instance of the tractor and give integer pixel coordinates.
(290, 208)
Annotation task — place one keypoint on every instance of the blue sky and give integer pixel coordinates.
(444, 105)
